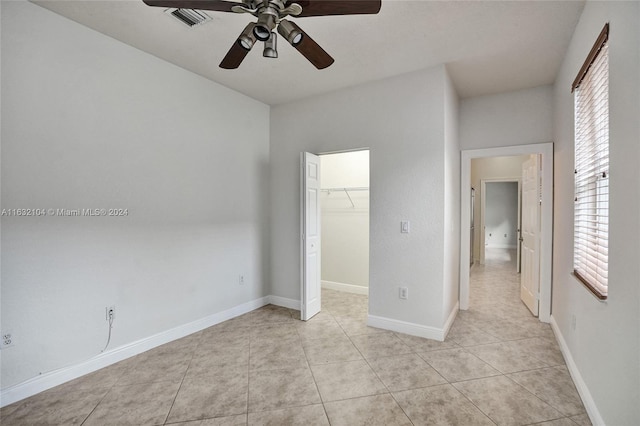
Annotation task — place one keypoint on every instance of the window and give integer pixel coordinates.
(591, 211)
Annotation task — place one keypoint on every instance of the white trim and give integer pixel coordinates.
(284, 302)
(406, 327)
(546, 234)
(452, 317)
(501, 246)
(581, 386)
(57, 377)
(348, 288)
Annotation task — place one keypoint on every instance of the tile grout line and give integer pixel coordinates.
(248, 379)
(103, 397)
(315, 382)
(381, 381)
(166, 418)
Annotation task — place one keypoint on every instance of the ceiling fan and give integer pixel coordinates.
(271, 14)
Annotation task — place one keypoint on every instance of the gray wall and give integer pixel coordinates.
(505, 119)
(605, 344)
(402, 121)
(88, 122)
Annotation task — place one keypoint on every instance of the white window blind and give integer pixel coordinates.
(591, 211)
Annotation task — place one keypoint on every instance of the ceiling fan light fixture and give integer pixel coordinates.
(270, 47)
(247, 39)
(266, 23)
(290, 31)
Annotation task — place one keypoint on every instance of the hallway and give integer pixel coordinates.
(499, 331)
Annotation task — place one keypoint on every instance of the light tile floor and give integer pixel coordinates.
(499, 365)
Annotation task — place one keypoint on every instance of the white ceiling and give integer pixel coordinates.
(488, 46)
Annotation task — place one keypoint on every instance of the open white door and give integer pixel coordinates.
(519, 232)
(530, 234)
(310, 230)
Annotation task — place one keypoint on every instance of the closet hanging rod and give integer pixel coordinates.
(355, 188)
(346, 191)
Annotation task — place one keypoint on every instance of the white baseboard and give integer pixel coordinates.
(500, 246)
(284, 302)
(407, 328)
(452, 317)
(57, 377)
(349, 288)
(581, 386)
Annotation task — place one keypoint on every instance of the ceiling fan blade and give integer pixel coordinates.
(337, 7)
(215, 5)
(234, 57)
(237, 53)
(313, 52)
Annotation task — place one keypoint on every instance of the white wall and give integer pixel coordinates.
(345, 226)
(501, 214)
(451, 246)
(345, 169)
(401, 120)
(505, 119)
(491, 168)
(88, 122)
(605, 345)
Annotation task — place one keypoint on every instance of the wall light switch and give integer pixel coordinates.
(404, 227)
(403, 293)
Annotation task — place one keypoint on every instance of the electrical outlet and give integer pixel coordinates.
(7, 340)
(241, 279)
(404, 293)
(110, 313)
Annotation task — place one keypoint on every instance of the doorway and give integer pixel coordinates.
(344, 210)
(334, 227)
(545, 153)
(500, 213)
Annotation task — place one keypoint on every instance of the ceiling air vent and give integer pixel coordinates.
(190, 17)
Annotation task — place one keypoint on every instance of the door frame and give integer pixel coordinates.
(302, 219)
(546, 225)
(483, 192)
